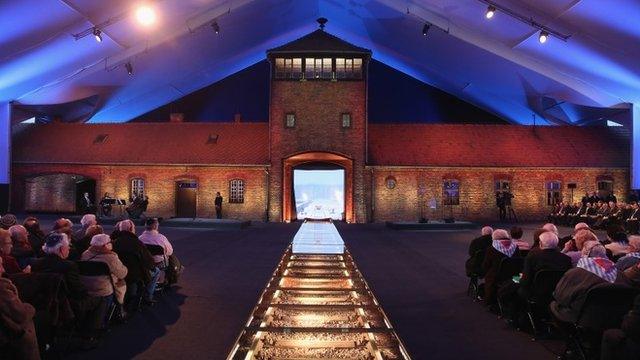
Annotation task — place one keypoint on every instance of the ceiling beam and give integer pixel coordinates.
(474, 38)
(93, 24)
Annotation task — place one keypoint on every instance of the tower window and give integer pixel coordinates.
(346, 120)
(290, 120)
(288, 68)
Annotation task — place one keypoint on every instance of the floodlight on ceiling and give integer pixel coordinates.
(97, 34)
(129, 68)
(543, 37)
(146, 15)
(491, 11)
(215, 27)
(425, 29)
(545, 31)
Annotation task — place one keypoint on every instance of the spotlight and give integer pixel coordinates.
(145, 15)
(425, 29)
(129, 68)
(491, 10)
(544, 36)
(97, 34)
(215, 27)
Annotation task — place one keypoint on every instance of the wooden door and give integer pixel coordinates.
(186, 194)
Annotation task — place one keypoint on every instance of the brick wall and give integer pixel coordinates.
(318, 106)
(160, 186)
(54, 193)
(477, 195)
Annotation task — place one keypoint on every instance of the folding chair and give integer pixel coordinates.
(157, 250)
(99, 268)
(474, 277)
(508, 267)
(541, 295)
(603, 309)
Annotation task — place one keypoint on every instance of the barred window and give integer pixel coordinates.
(346, 120)
(236, 191)
(137, 187)
(554, 192)
(288, 68)
(451, 192)
(290, 120)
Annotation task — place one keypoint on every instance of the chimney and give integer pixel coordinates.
(176, 117)
(237, 118)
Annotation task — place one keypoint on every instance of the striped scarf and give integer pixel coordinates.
(633, 254)
(506, 247)
(601, 267)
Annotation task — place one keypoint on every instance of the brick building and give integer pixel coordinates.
(317, 115)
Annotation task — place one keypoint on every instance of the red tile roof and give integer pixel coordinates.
(144, 143)
(496, 145)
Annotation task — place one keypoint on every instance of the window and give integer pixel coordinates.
(390, 182)
(605, 188)
(288, 68)
(346, 120)
(137, 188)
(451, 192)
(327, 69)
(290, 120)
(236, 191)
(554, 192)
(341, 71)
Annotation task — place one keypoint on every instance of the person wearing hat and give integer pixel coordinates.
(101, 250)
(7, 221)
(88, 310)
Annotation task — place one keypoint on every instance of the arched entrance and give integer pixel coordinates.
(308, 160)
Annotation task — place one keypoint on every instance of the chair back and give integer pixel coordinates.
(544, 283)
(524, 253)
(509, 266)
(605, 306)
(93, 268)
(155, 250)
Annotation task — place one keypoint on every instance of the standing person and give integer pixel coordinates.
(218, 203)
(502, 205)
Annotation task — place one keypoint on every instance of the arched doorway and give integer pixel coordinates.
(318, 161)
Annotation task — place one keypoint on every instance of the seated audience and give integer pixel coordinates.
(7, 221)
(579, 226)
(536, 239)
(81, 245)
(623, 343)
(479, 244)
(17, 335)
(101, 250)
(632, 219)
(574, 248)
(36, 235)
(633, 255)
(88, 310)
(151, 236)
(86, 221)
(548, 258)
(516, 236)
(619, 245)
(550, 227)
(593, 268)
(501, 247)
(64, 226)
(142, 271)
(631, 276)
(22, 250)
(11, 265)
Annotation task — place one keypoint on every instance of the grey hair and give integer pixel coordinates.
(550, 227)
(53, 250)
(487, 230)
(88, 219)
(16, 230)
(500, 234)
(127, 225)
(548, 240)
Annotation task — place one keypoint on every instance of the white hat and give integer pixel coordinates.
(100, 240)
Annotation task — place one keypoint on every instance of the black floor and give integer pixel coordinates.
(417, 276)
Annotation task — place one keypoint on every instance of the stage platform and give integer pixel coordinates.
(433, 225)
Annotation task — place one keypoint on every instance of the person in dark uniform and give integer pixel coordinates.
(502, 205)
(218, 204)
(105, 204)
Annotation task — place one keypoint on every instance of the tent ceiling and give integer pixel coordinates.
(497, 65)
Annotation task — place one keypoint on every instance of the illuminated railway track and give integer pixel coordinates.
(317, 306)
